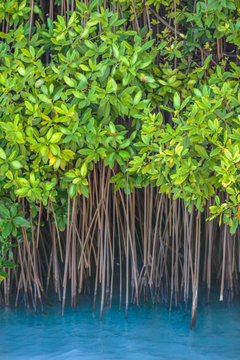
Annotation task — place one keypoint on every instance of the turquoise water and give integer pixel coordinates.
(150, 332)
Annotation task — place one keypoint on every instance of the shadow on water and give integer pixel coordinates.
(150, 332)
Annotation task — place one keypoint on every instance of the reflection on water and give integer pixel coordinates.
(149, 333)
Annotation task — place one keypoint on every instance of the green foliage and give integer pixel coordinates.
(198, 155)
(12, 219)
(60, 118)
(98, 88)
(67, 112)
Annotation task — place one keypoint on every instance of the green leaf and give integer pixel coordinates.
(146, 139)
(84, 190)
(147, 45)
(197, 92)
(4, 212)
(72, 19)
(7, 229)
(39, 83)
(26, 52)
(125, 144)
(115, 51)
(3, 275)
(180, 179)
(124, 155)
(112, 128)
(45, 99)
(185, 102)
(21, 71)
(111, 86)
(69, 81)
(201, 150)
(2, 154)
(29, 106)
(3, 35)
(16, 165)
(9, 265)
(81, 6)
(56, 138)
(215, 152)
(32, 51)
(137, 97)
(72, 191)
(21, 221)
(83, 170)
(90, 44)
(84, 67)
(176, 101)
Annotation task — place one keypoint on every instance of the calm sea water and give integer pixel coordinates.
(150, 332)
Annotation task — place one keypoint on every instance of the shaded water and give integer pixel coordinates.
(149, 333)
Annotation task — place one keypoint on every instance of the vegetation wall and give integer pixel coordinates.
(119, 150)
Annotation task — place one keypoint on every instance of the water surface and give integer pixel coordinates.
(150, 332)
